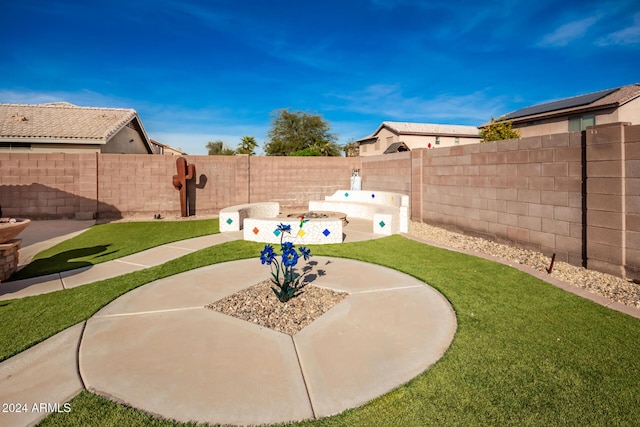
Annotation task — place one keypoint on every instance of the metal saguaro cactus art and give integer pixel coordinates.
(185, 173)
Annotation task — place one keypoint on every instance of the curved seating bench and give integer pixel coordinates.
(232, 217)
(388, 211)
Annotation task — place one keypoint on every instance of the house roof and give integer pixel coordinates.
(407, 128)
(609, 98)
(64, 122)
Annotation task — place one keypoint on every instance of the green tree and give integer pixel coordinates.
(247, 146)
(351, 149)
(219, 148)
(306, 152)
(498, 130)
(293, 132)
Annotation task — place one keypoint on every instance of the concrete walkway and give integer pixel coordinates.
(41, 235)
(40, 380)
(138, 261)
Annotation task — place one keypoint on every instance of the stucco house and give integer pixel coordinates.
(621, 104)
(63, 127)
(392, 137)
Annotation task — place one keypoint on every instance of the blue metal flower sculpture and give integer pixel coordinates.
(267, 255)
(306, 253)
(286, 282)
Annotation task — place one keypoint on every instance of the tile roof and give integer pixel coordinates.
(407, 128)
(592, 101)
(62, 121)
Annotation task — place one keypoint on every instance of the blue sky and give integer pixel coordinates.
(199, 71)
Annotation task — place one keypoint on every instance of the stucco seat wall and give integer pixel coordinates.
(232, 217)
(388, 211)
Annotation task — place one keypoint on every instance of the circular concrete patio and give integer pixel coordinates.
(159, 350)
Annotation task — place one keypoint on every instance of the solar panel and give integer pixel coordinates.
(575, 101)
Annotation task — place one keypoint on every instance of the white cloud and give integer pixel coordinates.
(626, 36)
(84, 98)
(389, 102)
(569, 32)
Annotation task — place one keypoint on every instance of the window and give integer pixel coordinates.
(389, 140)
(437, 140)
(457, 141)
(364, 148)
(580, 123)
(377, 144)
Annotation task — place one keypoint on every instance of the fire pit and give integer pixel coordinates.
(318, 228)
(11, 227)
(320, 215)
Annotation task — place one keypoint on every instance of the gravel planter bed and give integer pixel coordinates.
(258, 304)
(606, 285)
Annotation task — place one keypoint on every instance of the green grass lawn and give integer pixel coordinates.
(525, 353)
(105, 242)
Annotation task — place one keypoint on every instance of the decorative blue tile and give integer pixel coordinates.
(346, 194)
(229, 221)
(382, 224)
(326, 232)
(373, 196)
(276, 232)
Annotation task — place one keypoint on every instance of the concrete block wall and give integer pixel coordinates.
(526, 191)
(53, 185)
(417, 184)
(141, 185)
(613, 199)
(632, 201)
(220, 181)
(294, 181)
(388, 172)
(605, 198)
(45, 186)
(135, 184)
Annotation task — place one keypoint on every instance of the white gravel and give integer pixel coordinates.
(606, 285)
(258, 304)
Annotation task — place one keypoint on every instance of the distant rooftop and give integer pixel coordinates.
(595, 100)
(407, 128)
(62, 121)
